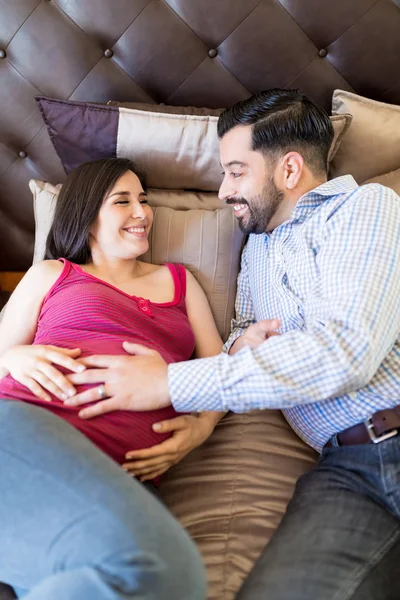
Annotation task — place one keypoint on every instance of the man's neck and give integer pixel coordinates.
(292, 197)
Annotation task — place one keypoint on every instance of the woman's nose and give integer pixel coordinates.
(138, 211)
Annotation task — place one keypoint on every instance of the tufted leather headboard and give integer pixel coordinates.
(185, 52)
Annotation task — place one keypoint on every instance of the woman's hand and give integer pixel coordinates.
(188, 433)
(32, 366)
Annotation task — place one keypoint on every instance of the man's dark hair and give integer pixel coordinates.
(79, 204)
(283, 121)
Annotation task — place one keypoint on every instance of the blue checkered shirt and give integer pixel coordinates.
(331, 275)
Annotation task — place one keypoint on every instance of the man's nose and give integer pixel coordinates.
(226, 190)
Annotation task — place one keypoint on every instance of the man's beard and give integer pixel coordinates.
(261, 209)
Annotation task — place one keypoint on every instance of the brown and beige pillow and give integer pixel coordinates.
(174, 151)
(208, 242)
(340, 122)
(371, 147)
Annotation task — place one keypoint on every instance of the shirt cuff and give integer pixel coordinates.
(232, 339)
(193, 385)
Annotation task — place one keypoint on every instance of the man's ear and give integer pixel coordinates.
(292, 169)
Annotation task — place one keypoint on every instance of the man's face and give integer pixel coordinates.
(248, 182)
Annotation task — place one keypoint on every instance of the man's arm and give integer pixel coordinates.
(350, 329)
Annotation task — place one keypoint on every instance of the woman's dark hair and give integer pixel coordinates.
(79, 204)
(283, 121)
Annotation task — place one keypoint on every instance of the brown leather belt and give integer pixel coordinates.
(383, 425)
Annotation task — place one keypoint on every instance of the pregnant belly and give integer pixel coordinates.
(118, 432)
(115, 433)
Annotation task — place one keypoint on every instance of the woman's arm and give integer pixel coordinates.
(207, 339)
(21, 314)
(30, 364)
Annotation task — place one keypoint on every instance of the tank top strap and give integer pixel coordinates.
(178, 273)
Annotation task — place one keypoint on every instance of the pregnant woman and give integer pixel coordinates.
(73, 524)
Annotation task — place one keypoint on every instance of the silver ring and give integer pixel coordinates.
(101, 390)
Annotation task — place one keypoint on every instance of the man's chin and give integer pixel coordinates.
(243, 226)
(248, 228)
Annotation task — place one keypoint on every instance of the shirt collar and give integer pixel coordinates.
(329, 189)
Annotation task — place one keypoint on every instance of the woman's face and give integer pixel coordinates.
(124, 220)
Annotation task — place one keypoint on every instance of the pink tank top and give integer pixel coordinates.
(82, 311)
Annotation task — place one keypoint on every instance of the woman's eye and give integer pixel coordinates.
(122, 202)
(144, 201)
(236, 175)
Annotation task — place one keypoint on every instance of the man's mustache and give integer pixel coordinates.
(236, 201)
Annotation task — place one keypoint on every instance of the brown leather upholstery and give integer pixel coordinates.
(201, 53)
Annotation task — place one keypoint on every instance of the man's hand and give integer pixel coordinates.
(256, 334)
(188, 433)
(138, 382)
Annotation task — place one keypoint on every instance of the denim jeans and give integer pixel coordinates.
(74, 525)
(340, 537)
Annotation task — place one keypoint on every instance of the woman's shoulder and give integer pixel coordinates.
(44, 274)
(46, 268)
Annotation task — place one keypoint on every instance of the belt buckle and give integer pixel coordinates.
(376, 439)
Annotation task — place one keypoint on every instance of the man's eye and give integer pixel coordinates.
(144, 201)
(236, 175)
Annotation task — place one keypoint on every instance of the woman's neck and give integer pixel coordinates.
(115, 270)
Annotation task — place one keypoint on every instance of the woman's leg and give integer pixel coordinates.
(74, 525)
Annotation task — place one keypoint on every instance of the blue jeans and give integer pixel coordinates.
(73, 525)
(340, 537)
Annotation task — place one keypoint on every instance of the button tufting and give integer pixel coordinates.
(323, 52)
(3, 54)
(212, 53)
(22, 154)
(108, 53)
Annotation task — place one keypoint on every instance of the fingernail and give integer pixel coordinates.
(157, 426)
(81, 368)
(64, 397)
(71, 393)
(69, 402)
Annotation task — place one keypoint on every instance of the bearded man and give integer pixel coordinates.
(320, 268)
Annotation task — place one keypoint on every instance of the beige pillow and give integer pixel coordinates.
(232, 492)
(390, 180)
(371, 147)
(340, 122)
(44, 202)
(207, 242)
